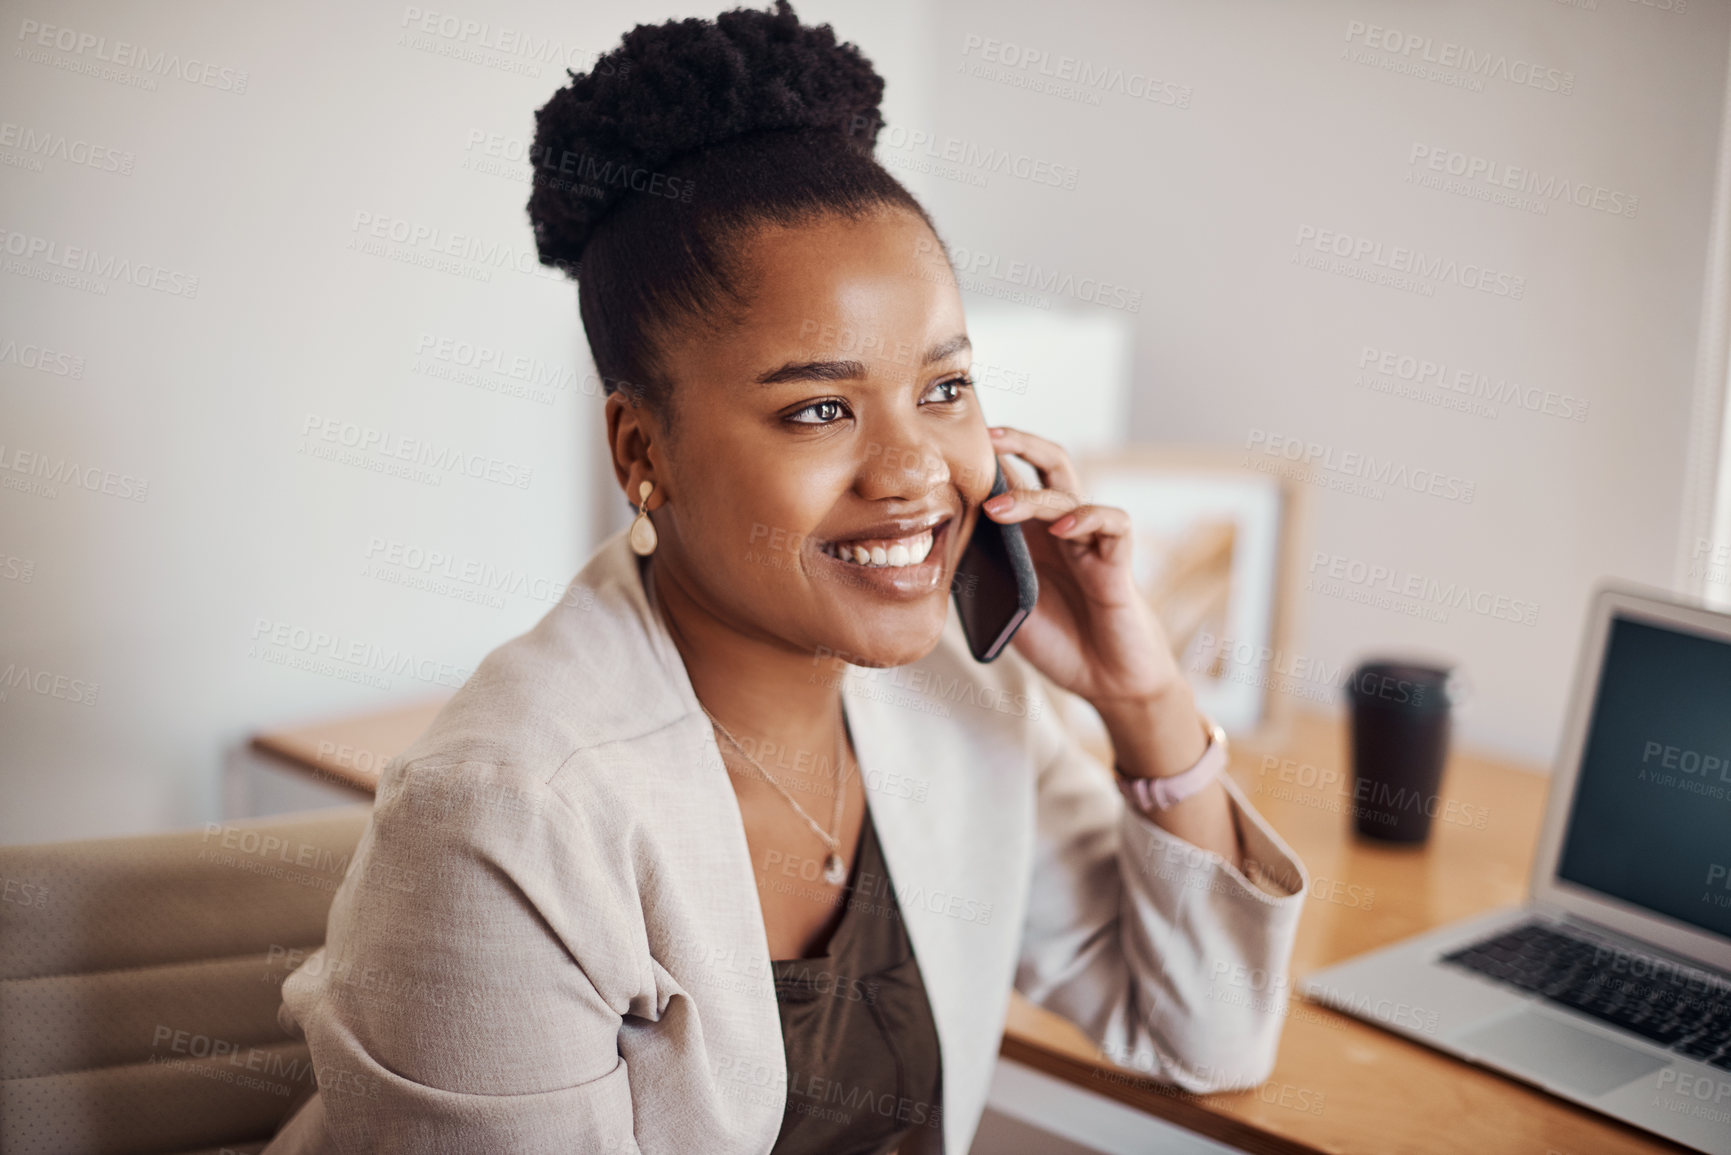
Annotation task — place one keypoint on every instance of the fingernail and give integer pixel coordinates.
(997, 431)
(999, 503)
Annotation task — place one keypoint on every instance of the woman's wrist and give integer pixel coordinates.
(1164, 736)
(1155, 737)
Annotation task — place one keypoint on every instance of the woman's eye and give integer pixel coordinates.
(955, 385)
(830, 408)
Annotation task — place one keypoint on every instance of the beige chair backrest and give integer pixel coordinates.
(140, 980)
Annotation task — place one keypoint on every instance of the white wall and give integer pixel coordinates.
(1266, 122)
(198, 401)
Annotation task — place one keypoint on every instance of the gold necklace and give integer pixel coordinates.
(834, 869)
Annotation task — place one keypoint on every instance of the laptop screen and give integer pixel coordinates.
(1651, 819)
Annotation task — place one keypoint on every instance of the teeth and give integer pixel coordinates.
(894, 552)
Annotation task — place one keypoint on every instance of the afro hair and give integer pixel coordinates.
(680, 87)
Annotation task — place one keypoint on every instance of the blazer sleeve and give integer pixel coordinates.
(1172, 960)
(443, 1014)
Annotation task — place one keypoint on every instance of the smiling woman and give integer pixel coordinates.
(845, 451)
(657, 945)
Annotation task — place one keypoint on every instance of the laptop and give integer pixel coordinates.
(1611, 985)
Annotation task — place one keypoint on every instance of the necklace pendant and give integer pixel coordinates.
(834, 869)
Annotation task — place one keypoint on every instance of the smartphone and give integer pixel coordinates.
(995, 587)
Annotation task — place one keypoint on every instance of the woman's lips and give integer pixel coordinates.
(909, 578)
(884, 551)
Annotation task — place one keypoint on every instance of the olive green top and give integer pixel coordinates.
(862, 1050)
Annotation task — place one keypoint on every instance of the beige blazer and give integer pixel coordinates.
(549, 937)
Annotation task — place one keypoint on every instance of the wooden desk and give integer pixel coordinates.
(1339, 1085)
(350, 751)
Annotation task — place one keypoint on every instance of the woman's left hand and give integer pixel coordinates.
(1092, 632)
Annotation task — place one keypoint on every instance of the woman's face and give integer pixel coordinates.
(834, 417)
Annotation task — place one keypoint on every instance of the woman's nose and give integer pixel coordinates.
(908, 467)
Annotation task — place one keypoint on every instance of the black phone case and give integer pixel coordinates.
(995, 586)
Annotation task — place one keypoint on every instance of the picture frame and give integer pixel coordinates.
(1216, 549)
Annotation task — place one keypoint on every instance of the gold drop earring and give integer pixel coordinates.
(643, 538)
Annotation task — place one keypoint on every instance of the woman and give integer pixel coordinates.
(739, 850)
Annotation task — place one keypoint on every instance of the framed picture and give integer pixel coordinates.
(1215, 550)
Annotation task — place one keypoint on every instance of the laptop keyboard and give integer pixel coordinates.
(1684, 1012)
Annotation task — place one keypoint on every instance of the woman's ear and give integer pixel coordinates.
(631, 433)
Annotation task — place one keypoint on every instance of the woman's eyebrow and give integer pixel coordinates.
(948, 348)
(814, 371)
(852, 370)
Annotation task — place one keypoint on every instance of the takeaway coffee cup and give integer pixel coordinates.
(1400, 736)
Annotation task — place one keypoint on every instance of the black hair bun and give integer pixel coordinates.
(674, 88)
